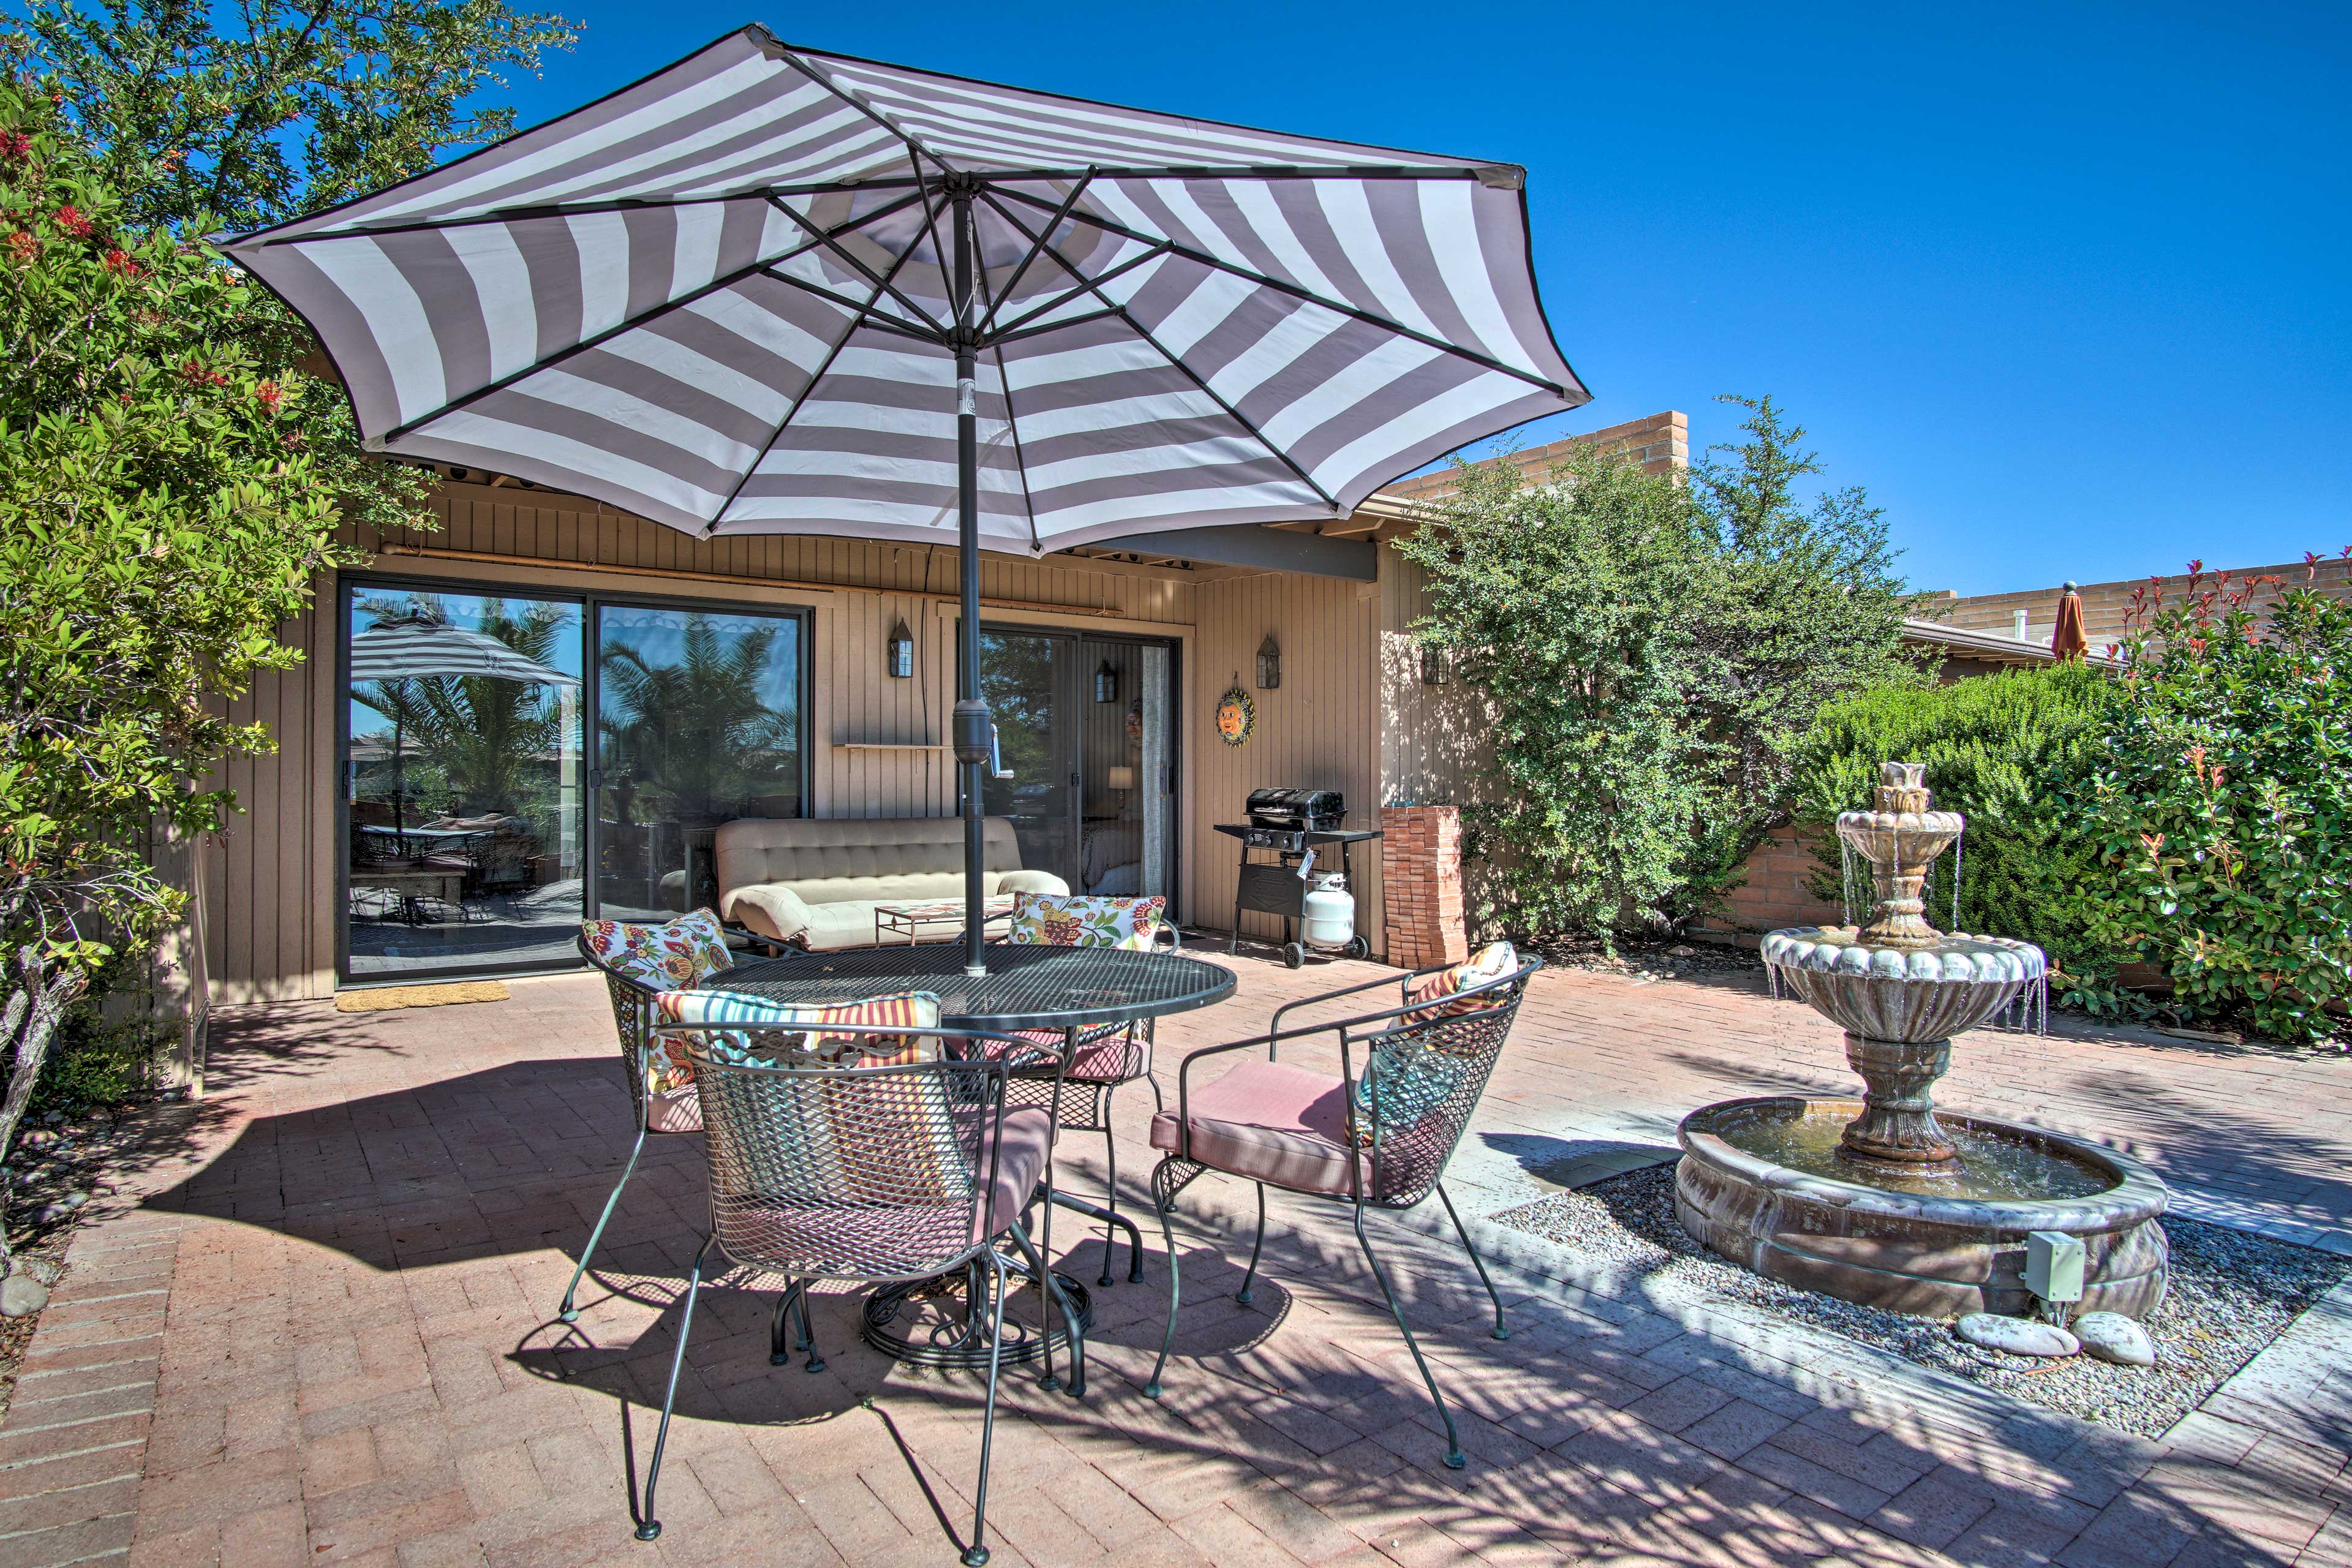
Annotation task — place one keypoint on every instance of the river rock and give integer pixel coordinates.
(2111, 1336)
(2016, 1335)
(21, 1295)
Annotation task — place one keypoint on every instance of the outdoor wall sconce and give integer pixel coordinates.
(900, 659)
(1269, 664)
(1433, 666)
(1105, 683)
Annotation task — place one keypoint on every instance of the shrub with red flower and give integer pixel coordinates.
(68, 217)
(2222, 813)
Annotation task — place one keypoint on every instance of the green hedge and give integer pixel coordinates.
(2012, 751)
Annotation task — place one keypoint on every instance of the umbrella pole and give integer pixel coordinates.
(970, 712)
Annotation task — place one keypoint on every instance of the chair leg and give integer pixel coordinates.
(1453, 1457)
(569, 1313)
(650, 1525)
(976, 1554)
(1165, 1201)
(794, 1300)
(1077, 1329)
(1502, 1331)
(1110, 1231)
(1250, 1278)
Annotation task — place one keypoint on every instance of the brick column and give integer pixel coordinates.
(1420, 884)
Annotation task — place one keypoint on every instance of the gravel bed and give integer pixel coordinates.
(2231, 1294)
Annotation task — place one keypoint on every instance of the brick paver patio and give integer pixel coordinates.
(315, 1328)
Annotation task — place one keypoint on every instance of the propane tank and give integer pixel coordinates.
(1329, 920)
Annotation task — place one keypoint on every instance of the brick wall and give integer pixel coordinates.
(1421, 882)
(2104, 603)
(1774, 894)
(1659, 442)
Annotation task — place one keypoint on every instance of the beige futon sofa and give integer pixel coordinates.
(816, 884)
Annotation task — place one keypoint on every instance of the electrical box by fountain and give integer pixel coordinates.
(2053, 1265)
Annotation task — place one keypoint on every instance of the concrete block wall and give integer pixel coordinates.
(2104, 605)
(1774, 894)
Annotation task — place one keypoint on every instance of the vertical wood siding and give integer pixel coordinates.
(1320, 729)
(1434, 739)
(271, 879)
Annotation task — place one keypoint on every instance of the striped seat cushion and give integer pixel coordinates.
(773, 1034)
(1426, 994)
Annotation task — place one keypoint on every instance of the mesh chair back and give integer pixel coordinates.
(1421, 1080)
(871, 1174)
(633, 1021)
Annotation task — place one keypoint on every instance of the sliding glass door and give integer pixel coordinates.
(462, 768)
(478, 729)
(1086, 756)
(698, 722)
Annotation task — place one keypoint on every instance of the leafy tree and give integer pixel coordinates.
(2222, 813)
(169, 486)
(249, 113)
(1807, 607)
(1567, 605)
(1651, 649)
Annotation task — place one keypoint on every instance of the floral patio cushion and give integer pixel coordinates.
(1069, 919)
(684, 952)
(1490, 962)
(775, 1034)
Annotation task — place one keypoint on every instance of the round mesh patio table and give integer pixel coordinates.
(1027, 987)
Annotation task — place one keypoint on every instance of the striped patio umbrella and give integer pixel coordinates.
(413, 647)
(774, 291)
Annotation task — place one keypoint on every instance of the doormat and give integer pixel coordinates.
(385, 998)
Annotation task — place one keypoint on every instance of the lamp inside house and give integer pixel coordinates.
(1122, 777)
(1269, 664)
(1105, 683)
(900, 658)
(1433, 666)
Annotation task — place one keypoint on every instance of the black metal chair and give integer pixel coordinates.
(1381, 1140)
(870, 1175)
(657, 1113)
(1101, 1061)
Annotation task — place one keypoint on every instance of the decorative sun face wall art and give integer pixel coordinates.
(1237, 716)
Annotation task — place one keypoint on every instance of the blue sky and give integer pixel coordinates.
(2065, 286)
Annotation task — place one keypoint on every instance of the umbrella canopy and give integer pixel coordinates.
(774, 290)
(413, 648)
(2067, 638)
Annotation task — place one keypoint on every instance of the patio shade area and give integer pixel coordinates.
(314, 1327)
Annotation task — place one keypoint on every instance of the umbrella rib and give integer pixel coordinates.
(1255, 172)
(1369, 318)
(724, 280)
(1012, 328)
(865, 313)
(1020, 461)
(1013, 281)
(1141, 331)
(847, 332)
(1026, 332)
(522, 214)
(867, 272)
(857, 103)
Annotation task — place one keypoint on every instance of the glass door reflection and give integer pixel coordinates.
(1022, 677)
(463, 781)
(698, 723)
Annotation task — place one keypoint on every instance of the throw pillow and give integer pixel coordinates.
(1427, 994)
(1070, 920)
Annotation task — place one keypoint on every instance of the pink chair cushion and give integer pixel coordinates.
(1115, 1058)
(1270, 1122)
(676, 1110)
(1027, 1143)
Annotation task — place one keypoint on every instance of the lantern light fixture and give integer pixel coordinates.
(1269, 664)
(1106, 683)
(899, 652)
(1433, 670)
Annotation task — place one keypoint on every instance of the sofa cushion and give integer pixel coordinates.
(797, 850)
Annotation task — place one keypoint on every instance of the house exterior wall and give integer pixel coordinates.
(271, 878)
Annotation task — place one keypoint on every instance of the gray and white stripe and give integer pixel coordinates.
(719, 298)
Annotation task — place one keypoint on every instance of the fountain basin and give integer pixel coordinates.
(1913, 1244)
(1911, 993)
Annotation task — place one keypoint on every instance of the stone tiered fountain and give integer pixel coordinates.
(1879, 1201)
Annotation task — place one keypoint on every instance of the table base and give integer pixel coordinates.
(956, 1336)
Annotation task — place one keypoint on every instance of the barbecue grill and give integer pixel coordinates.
(1290, 829)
